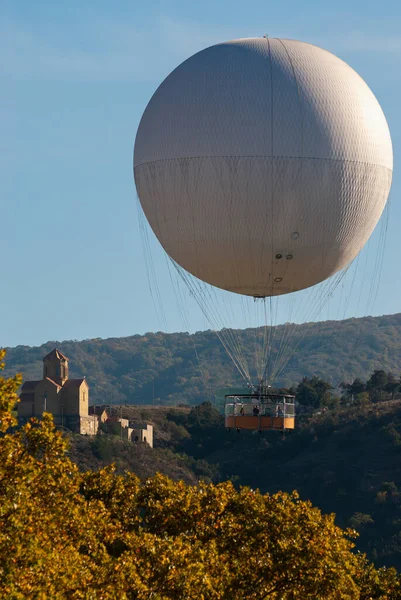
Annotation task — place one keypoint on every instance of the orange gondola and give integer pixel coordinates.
(260, 411)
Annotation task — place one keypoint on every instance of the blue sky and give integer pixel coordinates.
(76, 77)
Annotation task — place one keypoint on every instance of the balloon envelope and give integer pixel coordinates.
(263, 165)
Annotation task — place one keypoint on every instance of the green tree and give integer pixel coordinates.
(357, 387)
(204, 415)
(393, 385)
(360, 520)
(314, 392)
(376, 384)
(362, 399)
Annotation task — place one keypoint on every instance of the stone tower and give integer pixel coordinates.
(55, 367)
(66, 399)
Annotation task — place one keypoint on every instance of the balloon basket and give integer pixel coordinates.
(260, 412)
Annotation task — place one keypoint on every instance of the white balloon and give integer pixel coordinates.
(263, 165)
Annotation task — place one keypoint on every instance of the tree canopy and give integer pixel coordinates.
(314, 392)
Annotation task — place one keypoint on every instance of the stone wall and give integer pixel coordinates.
(88, 425)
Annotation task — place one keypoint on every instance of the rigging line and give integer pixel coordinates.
(149, 267)
(380, 253)
(283, 347)
(258, 352)
(219, 334)
(284, 329)
(264, 377)
(254, 343)
(363, 283)
(354, 263)
(237, 334)
(272, 345)
(288, 326)
(264, 374)
(151, 176)
(254, 321)
(210, 303)
(288, 329)
(340, 302)
(357, 341)
(259, 346)
(369, 303)
(267, 375)
(203, 309)
(232, 337)
(330, 290)
(268, 349)
(262, 340)
(383, 247)
(262, 335)
(346, 365)
(245, 351)
(299, 331)
(245, 303)
(233, 341)
(184, 316)
(205, 293)
(271, 330)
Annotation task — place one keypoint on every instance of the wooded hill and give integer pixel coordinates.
(182, 368)
(346, 460)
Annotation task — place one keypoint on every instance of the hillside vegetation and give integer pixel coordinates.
(182, 368)
(66, 533)
(346, 461)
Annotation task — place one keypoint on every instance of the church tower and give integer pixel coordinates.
(55, 367)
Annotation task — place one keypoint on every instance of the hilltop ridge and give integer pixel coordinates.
(182, 368)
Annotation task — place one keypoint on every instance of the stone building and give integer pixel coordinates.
(66, 399)
(100, 412)
(124, 428)
(143, 433)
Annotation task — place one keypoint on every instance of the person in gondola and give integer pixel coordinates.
(256, 411)
(242, 412)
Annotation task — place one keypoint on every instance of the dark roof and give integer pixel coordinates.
(52, 381)
(29, 386)
(74, 383)
(97, 410)
(55, 354)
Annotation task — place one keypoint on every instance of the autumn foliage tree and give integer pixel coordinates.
(66, 534)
